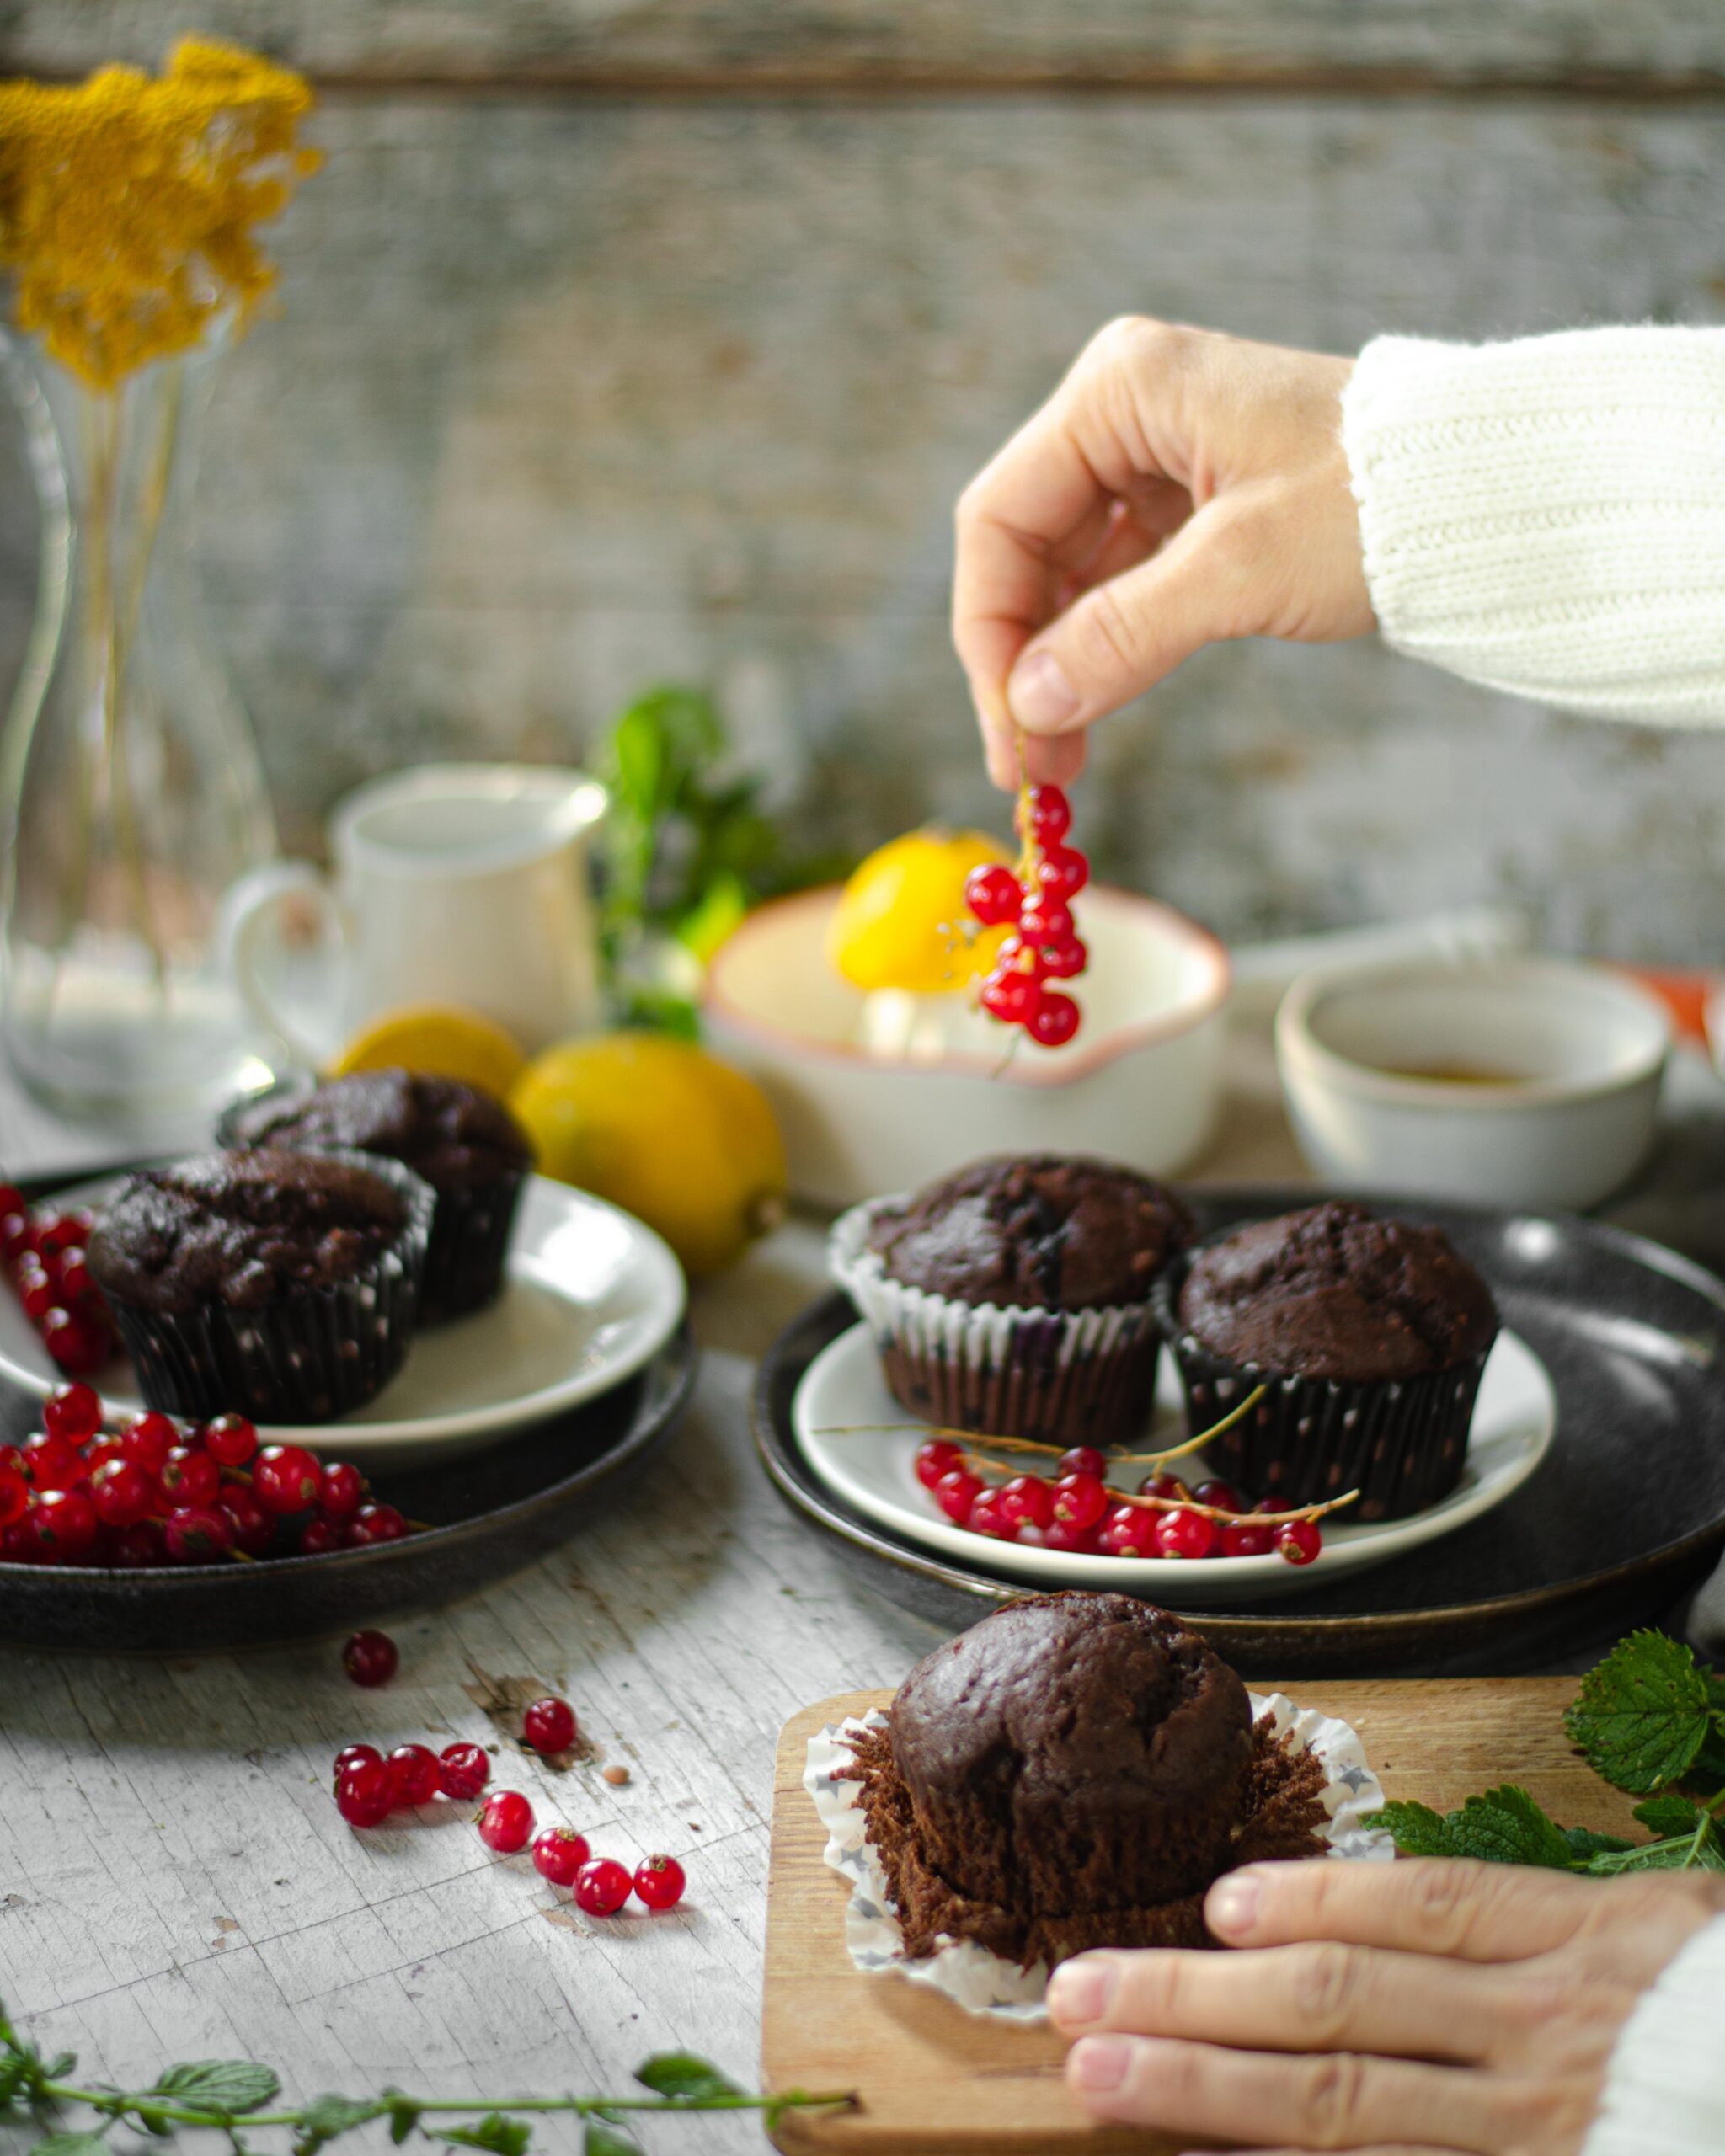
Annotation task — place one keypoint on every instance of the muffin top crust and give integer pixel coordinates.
(447, 1132)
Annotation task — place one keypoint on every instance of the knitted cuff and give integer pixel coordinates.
(1665, 2091)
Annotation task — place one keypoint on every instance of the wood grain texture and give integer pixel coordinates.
(936, 2081)
(1655, 44)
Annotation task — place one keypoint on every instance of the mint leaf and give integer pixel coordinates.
(1504, 1826)
(1584, 1842)
(1641, 1716)
(326, 2116)
(602, 2138)
(685, 2078)
(1680, 1853)
(502, 2136)
(1415, 1828)
(1667, 1815)
(228, 2086)
(71, 2144)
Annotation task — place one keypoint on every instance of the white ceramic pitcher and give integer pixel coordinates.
(463, 883)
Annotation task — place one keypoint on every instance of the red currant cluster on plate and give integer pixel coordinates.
(1077, 1512)
(43, 1257)
(1036, 900)
(369, 1787)
(154, 1492)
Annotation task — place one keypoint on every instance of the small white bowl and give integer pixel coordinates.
(878, 1093)
(1509, 1082)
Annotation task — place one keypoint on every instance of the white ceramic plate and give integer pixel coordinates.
(590, 1294)
(1514, 1419)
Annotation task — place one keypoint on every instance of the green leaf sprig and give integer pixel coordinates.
(237, 2098)
(1649, 1720)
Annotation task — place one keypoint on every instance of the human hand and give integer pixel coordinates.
(1178, 487)
(1426, 2007)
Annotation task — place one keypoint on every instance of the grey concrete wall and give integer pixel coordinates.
(629, 341)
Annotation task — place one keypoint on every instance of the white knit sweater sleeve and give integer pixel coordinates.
(1547, 516)
(1665, 2091)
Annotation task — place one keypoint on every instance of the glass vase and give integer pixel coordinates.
(131, 796)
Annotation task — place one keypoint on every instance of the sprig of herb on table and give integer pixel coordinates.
(235, 2097)
(1649, 1720)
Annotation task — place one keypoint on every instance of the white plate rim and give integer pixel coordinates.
(669, 1288)
(1357, 1547)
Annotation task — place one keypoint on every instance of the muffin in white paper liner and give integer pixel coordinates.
(982, 1982)
(1078, 1377)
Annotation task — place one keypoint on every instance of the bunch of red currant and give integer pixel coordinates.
(155, 1492)
(1036, 899)
(1076, 1512)
(369, 1787)
(44, 1256)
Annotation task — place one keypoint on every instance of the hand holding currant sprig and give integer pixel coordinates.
(1036, 898)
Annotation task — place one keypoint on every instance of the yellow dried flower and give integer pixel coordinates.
(127, 202)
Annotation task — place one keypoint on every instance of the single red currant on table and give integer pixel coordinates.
(559, 1854)
(506, 1821)
(414, 1774)
(548, 1725)
(364, 1794)
(659, 1881)
(356, 1755)
(602, 1887)
(370, 1658)
(462, 1770)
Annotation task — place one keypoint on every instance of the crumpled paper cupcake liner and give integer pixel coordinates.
(1071, 1377)
(982, 1982)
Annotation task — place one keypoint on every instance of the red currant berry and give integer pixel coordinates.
(1184, 1533)
(53, 1464)
(1082, 1460)
(17, 1543)
(1300, 1541)
(254, 1529)
(659, 1881)
(992, 895)
(140, 1548)
(1080, 1500)
(66, 1525)
(231, 1440)
(78, 1340)
(99, 1453)
(356, 1755)
(341, 1489)
(559, 1854)
(148, 1438)
(372, 1525)
(1129, 1531)
(14, 1233)
(1222, 1495)
(197, 1535)
(412, 1773)
(73, 1412)
(1062, 872)
(1009, 995)
(364, 1794)
(14, 1496)
(285, 1479)
(1017, 957)
(370, 1658)
(1049, 814)
(1046, 921)
(602, 1887)
(319, 1537)
(1164, 1485)
(955, 1493)
(987, 1518)
(38, 1295)
(937, 1458)
(1069, 1539)
(548, 1725)
(1028, 1501)
(75, 1282)
(506, 1820)
(1239, 1540)
(1054, 1021)
(462, 1770)
(11, 1199)
(188, 1477)
(1064, 961)
(59, 1233)
(122, 1493)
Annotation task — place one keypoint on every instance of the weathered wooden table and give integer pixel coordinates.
(175, 1880)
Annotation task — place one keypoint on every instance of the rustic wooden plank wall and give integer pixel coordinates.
(656, 338)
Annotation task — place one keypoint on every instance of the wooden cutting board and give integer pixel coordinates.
(935, 2081)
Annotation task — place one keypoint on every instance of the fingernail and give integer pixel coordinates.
(1232, 1903)
(1041, 696)
(1100, 2063)
(1080, 1991)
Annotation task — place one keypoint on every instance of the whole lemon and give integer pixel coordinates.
(899, 923)
(664, 1129)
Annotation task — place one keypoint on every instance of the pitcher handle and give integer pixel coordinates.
(252, 940)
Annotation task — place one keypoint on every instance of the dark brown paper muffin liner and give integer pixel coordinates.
(1401, 1442)
(312, 1354)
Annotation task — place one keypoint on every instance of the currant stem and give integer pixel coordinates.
(981, 1438)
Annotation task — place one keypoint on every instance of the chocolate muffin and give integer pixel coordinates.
(1074, 1772)
(1013, 1297)
(282, 1284)
(1371, 1335)
(461, 1141)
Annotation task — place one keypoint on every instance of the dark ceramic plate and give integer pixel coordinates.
(488, 1513)
(1625, 1514)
